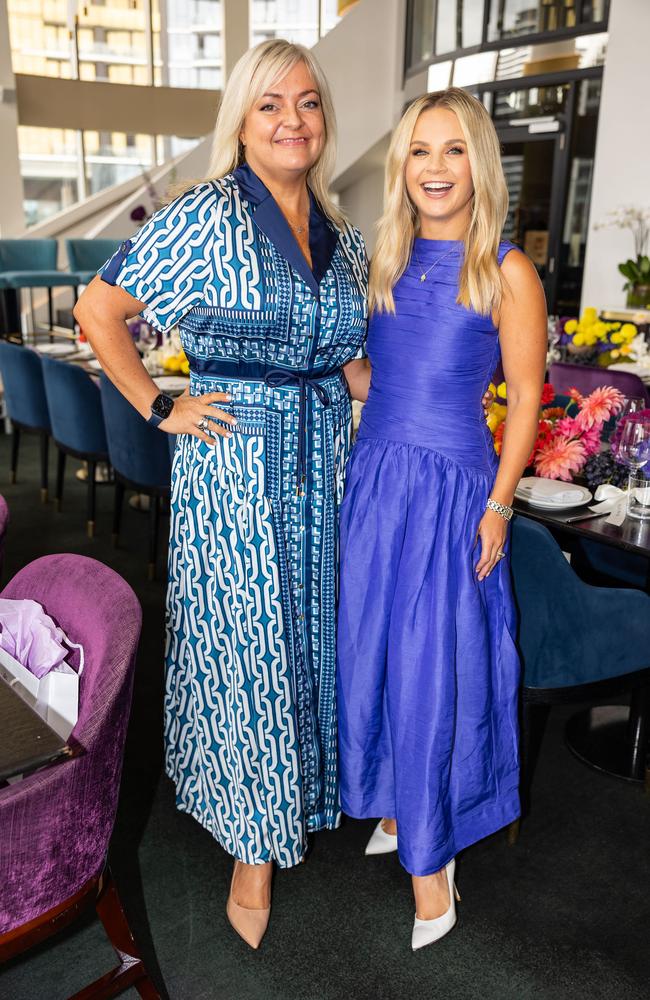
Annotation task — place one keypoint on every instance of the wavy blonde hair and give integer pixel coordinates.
(481, 284)
(253, 75)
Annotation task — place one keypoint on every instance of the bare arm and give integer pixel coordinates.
(523, 339)
(357, 374)
(102, 312)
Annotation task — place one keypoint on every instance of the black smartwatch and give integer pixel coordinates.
(161, 407)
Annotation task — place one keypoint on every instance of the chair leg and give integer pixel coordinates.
(15, 446)
(91, 490)
(118, 503)
(637, 735)
(154, 520)
(60, 476)
(50, 312)
(131, 971)
(45, 444)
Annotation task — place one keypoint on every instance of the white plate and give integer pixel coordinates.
(56, 350)
(580, 494)
(172, 383)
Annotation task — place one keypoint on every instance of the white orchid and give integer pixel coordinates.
(634, 218)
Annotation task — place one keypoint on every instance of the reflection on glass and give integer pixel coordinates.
(296, 20)
(528, 168)
(112, 157)
(193, 43)
(531, 102)
(39, 38)
(421, 40)
(509, 18)
(48, 165)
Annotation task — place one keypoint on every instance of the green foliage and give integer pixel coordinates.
(636, 271)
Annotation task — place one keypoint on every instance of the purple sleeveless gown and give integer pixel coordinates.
(428, 671)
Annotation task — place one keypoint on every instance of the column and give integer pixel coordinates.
(236, 32)
(12, 218)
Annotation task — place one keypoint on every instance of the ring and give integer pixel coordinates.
(203, 425)
(500, 554)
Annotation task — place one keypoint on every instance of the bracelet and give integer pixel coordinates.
(499, 508)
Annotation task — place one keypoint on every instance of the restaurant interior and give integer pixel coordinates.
(105, 888)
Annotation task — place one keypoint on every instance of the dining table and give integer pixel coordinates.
(612, 739)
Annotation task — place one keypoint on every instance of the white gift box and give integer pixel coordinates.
(55, 697)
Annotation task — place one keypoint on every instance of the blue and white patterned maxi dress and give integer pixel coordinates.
(250, 723)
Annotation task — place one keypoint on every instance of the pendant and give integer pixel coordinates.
(423, 277)
(300, 230)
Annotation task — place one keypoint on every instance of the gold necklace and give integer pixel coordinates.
(423, 275)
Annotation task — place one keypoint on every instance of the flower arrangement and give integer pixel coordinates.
(609, 341)
(567, 435)
(636, 270)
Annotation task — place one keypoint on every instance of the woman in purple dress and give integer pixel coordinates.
(427, 666)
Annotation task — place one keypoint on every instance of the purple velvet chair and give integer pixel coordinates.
(56, 823)
(586, 378)
(4, 522)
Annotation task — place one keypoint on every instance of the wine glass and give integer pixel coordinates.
(634, 450)
(631, 406)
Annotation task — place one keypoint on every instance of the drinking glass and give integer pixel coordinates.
(631, 406)
(634, 450)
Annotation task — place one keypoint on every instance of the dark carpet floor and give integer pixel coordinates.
(564, 915)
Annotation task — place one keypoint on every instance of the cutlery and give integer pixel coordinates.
(585, 517)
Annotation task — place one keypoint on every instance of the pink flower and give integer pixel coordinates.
(591, 440)
(598, 406)
(567, 427)
(560, 458)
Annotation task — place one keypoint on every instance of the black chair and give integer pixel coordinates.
(77, 421)
(570, 650)
(140, 457)
(24, 389)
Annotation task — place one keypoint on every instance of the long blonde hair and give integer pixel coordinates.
(253, 75)
(480, 284)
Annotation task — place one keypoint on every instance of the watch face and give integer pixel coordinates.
(162, 406)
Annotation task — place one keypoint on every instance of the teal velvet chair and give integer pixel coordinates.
(85, 257)
(577, 643)
(32, 264)
(24, 390)
(77, 422)
(141, 460)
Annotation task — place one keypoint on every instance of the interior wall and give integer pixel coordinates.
(621, 170)
(362, 202)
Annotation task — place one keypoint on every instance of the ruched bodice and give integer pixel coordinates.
(432, 361)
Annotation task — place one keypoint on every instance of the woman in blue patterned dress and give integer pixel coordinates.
(428, 669)
(267, 282)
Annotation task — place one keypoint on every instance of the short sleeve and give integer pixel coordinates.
(170, 261)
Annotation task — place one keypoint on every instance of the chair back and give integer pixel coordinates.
(586, 378)
(89, 255)
(75, 408)
(28, 255)
(24, 388)
(57, 822)
(138, 451)
(565, 632)
(4, 524)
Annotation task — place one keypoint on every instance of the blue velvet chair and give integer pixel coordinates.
(569, 646)
(85, 257)
(77, 422)
(32, 264)
(140, 456)
(24, 389)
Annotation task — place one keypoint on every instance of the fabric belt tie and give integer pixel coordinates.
(279, 377)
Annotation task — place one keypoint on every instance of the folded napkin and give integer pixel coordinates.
(549, 490)
(611, 498)
(31, 637)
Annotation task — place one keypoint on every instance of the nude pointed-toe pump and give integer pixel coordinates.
(381, 842)
(427, 931)
(250, 924)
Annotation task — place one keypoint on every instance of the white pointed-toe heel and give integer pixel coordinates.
(381, 842)
(427, 931)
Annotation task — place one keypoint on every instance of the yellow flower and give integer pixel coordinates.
(172, 364)
(589, 315)
(617, 338)
(501, 391)
(625, 350)
(615, 353)
(185, 367)
(492, 388)
(629, 331)
(571, 326)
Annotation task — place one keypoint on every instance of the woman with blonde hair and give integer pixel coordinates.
(267, 282)
(427, 666)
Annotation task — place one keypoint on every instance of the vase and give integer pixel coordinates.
(638, 297)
